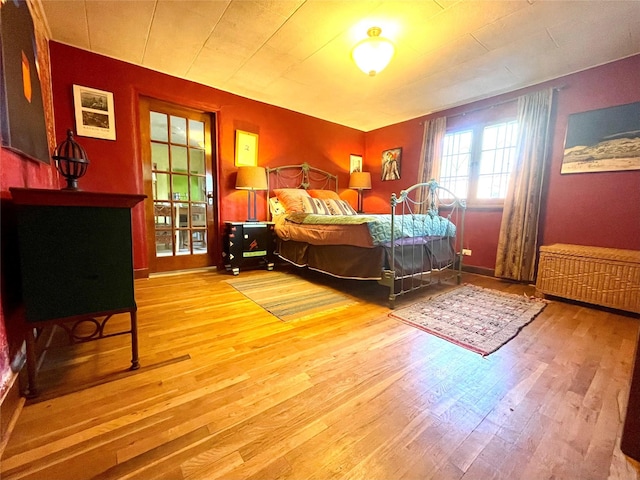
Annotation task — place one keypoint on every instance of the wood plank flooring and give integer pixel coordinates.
(228, 391)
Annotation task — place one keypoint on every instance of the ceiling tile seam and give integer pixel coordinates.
(551, 37)
(197, 54)
(438, 3)
(86, 22)
(148, 34)
(267, 41)
(480, 43)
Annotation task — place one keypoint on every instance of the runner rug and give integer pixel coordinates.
(476, 318)
(290, 297)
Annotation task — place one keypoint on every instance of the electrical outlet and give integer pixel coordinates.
(466, 251)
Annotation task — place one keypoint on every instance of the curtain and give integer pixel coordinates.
(518, 242)
(430, 155)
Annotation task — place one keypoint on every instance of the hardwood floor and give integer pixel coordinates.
(228, 391)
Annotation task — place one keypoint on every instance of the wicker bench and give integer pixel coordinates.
(608, 277)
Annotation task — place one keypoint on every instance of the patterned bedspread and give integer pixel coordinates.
(405, 226)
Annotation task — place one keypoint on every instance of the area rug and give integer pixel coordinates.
(290, 297)
(476, 318)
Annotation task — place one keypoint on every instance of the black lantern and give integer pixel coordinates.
(71, 161)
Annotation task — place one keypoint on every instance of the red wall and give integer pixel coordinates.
(285, 137)
(598, 209)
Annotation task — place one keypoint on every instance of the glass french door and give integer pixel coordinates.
(178, 177)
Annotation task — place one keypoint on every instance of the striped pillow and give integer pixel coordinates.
(340, 207)
(314, 205)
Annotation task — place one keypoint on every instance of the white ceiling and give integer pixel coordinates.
(296, 53)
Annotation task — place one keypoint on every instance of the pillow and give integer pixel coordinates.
(314, 205)
(324, 194)
(291, 198)
(275, 207)
(340, 207)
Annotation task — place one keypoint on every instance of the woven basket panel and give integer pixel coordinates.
(601, 276)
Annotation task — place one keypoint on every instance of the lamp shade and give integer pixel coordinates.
(374, 53)
(360, 181)
(251, 178)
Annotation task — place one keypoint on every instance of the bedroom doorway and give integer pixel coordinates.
(180, 207)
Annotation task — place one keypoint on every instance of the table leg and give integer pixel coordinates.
(135, 364)
(30, 341)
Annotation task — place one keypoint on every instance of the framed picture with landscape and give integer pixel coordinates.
(603, 140)
(94, 113)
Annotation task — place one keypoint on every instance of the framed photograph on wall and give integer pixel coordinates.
(94, 113)
(246, 149)
(603, 140)
(391, 160)
(355, 163)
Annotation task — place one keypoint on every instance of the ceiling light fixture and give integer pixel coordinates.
(373, 53)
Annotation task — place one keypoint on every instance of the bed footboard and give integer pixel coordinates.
(416, 259)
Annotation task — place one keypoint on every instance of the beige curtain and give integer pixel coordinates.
(430, 155)
(518, 242)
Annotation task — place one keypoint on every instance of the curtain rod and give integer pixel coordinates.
(504, 102)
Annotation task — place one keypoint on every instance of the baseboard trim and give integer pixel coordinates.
(487, 272)
(11, 406)
(141, 273)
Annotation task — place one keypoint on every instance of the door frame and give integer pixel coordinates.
(180, 262)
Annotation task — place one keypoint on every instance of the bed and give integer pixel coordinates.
(417, 243)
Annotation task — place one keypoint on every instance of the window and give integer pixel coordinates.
(476, 162)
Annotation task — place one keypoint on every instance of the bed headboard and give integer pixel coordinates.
(300, 176)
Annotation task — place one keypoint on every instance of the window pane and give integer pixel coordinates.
(198, 215)
(456, 162)
(161, 186)
(178, 130)
(196, 134)
(160, 156)
(497, 159)
(199, 241)
(180, 187)
(178, 159)
(197, 161)
(159, 127)
(198, 189)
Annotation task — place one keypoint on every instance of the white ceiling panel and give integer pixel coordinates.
(67, 20)
(188, 24)
(120, 29)
(297, 53)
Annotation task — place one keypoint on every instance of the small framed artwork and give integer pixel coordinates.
(94, 113)
(246, 149)
(355, 163)
(391, 160)
(603, 140)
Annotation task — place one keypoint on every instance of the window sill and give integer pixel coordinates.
(485, 207)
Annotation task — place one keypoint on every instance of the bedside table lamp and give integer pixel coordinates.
(360, 181)
(251, 179)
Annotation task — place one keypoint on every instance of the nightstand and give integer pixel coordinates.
(249, 245)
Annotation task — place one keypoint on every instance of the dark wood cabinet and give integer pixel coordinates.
(76, 264)
(249, 245)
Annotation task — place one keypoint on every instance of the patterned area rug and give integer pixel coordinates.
(476, 318)
(290, 297)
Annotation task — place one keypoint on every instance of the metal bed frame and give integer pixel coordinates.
(419, 203)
